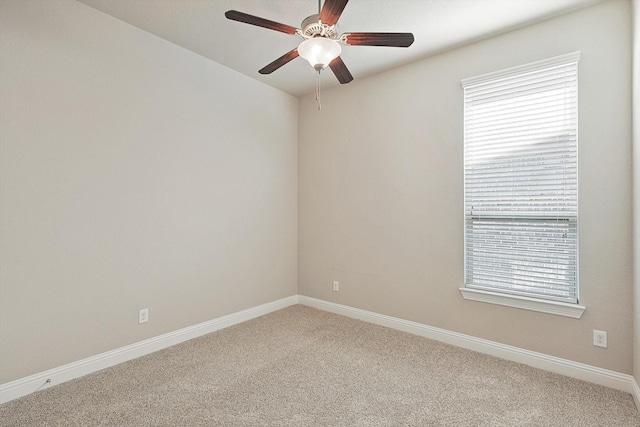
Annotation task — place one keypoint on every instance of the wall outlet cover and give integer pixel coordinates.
(143, 315)
(600, 338)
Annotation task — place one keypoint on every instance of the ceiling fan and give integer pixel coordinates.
(321, 46)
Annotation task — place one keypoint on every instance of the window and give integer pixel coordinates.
(521, 186)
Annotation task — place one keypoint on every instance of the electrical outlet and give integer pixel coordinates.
(336, 286)
(600, 338)
(143, 315)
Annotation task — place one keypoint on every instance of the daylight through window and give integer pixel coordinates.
(520, 180)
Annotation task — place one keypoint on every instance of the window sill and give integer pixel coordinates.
(551, 307)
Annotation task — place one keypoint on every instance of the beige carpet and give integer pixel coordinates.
(305, 367)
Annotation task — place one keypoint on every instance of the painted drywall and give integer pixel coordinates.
(636, 190)
(133, 174)
(380, 205)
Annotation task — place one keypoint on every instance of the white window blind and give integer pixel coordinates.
(520, 179)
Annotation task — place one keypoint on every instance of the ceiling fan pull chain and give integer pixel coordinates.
(318, 91)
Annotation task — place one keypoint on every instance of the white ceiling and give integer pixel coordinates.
(200, 26)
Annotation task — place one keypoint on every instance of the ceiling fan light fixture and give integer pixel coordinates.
(319, 51)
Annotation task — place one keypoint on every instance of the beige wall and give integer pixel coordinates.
(133, 174)
(380, 204)
(636, 189)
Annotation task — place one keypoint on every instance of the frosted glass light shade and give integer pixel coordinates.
(319, 51)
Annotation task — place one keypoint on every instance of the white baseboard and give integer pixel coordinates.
(635, 393)
(24, 386)
(557, 365)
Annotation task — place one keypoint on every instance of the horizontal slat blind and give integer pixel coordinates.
(521, 183)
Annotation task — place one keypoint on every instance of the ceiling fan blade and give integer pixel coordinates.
(234, 15)
(291, 55)
(340, 70)
(331, 11)
(379, 39)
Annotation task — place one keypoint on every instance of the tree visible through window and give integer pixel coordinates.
(520, 180)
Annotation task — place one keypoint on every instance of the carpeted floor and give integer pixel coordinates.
(305, 367)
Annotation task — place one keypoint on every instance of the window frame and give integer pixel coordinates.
(506, 298)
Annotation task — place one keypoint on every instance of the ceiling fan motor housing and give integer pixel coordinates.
(313, 27)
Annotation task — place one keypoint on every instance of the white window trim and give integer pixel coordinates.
(543, 306)
(509, 300)
(561, 59)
